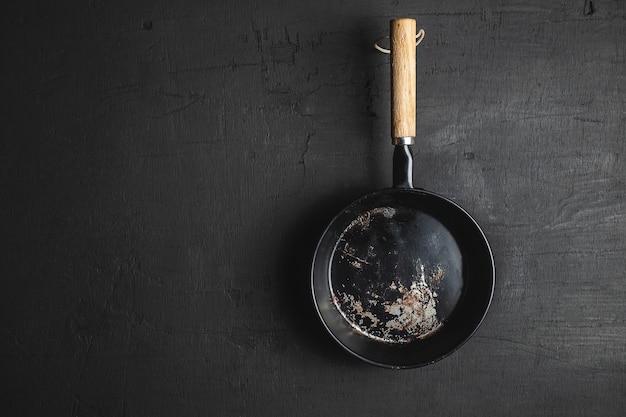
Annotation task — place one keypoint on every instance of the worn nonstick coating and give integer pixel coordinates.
(402, 277)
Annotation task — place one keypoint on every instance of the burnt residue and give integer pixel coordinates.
(389, 270)
(354, 260)
(393, 314)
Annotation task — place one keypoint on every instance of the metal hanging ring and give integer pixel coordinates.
(418, 39)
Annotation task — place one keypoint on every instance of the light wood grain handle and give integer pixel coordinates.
(403, 80)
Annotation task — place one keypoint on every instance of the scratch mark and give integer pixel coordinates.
(356, 258)
(566, 253)
(84, 362)
(235, 296)
(154, 44)
(259, 36)
(371, 96)
(192, 98)
(537, 350)
(588, 120)
(305, 151)
(232, 65)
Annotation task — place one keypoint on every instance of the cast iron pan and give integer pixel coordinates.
(402, 277)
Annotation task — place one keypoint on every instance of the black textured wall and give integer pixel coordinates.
(167, 167)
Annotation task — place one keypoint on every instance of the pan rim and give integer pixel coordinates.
(377, 195)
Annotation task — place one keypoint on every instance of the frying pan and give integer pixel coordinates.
(402, 277)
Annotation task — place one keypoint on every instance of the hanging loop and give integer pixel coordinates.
(418, 39)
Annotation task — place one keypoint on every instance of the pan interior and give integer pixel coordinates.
(396, 273)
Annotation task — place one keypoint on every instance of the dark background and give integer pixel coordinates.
(167, 167)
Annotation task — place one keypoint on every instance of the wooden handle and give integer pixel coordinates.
(403, 79)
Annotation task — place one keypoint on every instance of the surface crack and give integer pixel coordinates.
(588, 8)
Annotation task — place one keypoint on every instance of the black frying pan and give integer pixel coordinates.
(402, 277)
